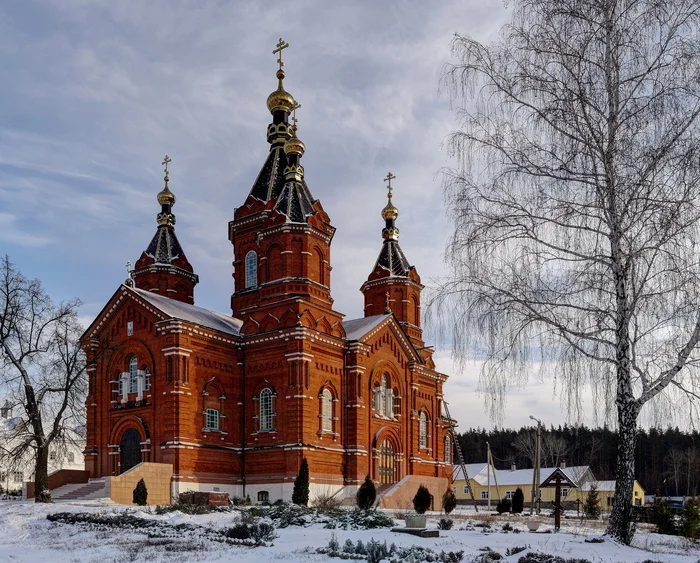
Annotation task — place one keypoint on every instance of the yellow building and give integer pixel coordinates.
(486, 482)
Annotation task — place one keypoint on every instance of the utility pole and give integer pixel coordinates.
(536, 470)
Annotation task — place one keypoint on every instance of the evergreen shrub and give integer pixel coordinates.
(140, 493)
(503, 505)
(690, 519)
(366, 494)
(518, 501)
(591, 507)
(422, 500)
(449, 501)
(300, 495)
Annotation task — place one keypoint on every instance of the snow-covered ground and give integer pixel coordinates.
(27, 536)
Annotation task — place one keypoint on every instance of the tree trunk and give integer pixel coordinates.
(621, 524)
(41, 475)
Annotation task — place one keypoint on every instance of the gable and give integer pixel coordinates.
(388, 335)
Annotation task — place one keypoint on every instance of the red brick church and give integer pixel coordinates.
(235, 401)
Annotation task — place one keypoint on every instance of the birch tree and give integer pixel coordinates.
(575, 202)
(42, 369)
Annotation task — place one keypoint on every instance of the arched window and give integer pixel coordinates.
(326, 411)
(212, 419)
(382, 396)
(423, 430)
(251, 269)
(448, 450)
(267, 410)
(133, 374)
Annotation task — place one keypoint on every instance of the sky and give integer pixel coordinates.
(94, 94)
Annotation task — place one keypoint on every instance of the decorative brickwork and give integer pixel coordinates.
(234, 403)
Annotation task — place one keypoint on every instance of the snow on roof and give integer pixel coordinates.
(191, 313)
(357, 328)
(473, 469)
(506, 477)
(600, 485)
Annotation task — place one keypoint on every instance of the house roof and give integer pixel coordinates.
(191, 313)
(473, 469)
(357, 328)
(600, 485)
(523, 477)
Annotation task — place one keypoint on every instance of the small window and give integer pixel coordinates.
(146, 380)
(266, 410)
(466, 489)
(52, 456)
(484, 494)
(326, 411)
(71, 457)
(251, 269)
(263, 496)
(509, 494)
(17, 476)
(564, 492)
(212, 420)
(133, 375)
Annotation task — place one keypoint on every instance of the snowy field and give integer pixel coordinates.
(26, 535)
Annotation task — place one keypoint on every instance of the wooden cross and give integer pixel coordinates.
(389, 178)
(281, 44)
(167, 160)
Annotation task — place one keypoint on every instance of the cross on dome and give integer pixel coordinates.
(281, 44)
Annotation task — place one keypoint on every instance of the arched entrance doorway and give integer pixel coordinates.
(387, 462)
(129, 450)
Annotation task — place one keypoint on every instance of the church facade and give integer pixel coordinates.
(235, 401)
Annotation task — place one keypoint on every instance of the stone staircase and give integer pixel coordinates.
(93, 489)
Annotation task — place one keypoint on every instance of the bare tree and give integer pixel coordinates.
(554, 449)
(690, 456)
(674, 464)
(42, 368)
(576, 206)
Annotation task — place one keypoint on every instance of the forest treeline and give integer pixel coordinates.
(666, 460)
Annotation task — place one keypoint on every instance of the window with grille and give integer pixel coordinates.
(266, 409)
(326, 411)
(564, 492)
(263, 496)
(484, 495)
(212, 419)
(251, 269)
(133, 375)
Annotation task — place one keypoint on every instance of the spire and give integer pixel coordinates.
(391, 256)
(270, 180)
(163, 267)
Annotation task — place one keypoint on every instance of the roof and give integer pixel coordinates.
(600, 485)
(506, 477)
(392, 258)
(190, 313)
(295, 202)
(270, 181)
(164, 246)
(357, 328)
(473, 469)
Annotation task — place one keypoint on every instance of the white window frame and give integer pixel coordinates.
(484, 495)
(326, 411)
(266, 409)
(251, 269)
(133, 375)
(466, 489)
(509, 495)
(564, 492)
(211, 419)
(423, 430)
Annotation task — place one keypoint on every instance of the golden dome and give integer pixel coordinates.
(166, 197)
(390, 212)
(294, 146)
(280, 99)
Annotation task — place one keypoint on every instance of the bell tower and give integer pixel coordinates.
(163, 267)
(394, 285)
(281, 235)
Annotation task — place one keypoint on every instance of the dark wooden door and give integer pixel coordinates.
(387, 462)
(129, 450)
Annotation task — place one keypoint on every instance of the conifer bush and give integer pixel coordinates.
(141, 493)
(518, 501)
(503, 505)
(663, 517)
(422, 500)
(300, 495)
(366, 494)
(690, 519)
(449, 501)
(591, 507)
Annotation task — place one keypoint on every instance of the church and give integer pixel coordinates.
(234, 402)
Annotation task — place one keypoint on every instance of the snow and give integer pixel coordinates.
(27, 536)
